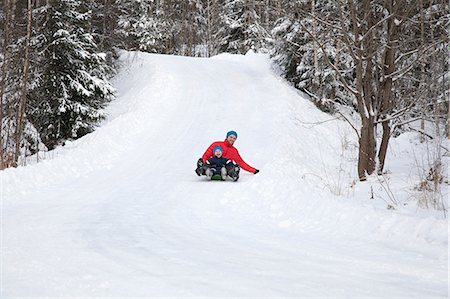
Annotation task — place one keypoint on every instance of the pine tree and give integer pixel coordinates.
(302, 61)
(73, 86)
(144, 25)
(241, 29)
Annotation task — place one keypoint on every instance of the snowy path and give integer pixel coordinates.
(120, 213)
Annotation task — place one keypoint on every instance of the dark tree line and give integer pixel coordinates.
(387, 60)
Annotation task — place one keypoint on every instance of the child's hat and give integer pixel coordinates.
(217, 147)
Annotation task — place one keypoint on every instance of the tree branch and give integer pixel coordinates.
(396, 114)
(357, 133)
(342, 79)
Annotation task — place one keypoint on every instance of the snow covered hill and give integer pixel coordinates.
(120, 213)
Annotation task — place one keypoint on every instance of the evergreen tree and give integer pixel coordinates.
(240, 28)
(301, 60)
(144, 25)
(73, 86)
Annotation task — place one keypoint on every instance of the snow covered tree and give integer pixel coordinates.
(193, 27)
(302, 62)
(20, 118)
(104, 28)
(361, 51)
(241, 29)
(73, 86)
(144, 25)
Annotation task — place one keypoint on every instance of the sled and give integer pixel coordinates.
(217, 177)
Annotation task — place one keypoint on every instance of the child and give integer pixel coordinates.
(216, 164)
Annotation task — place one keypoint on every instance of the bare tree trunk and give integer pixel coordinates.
(23, 94)
(422, 70)
(366, 154)
(208, 29)
(313, 13)
(104, 24)
(265, 13)
(448, 121)
(367, 144)
(366, 162)
(279, 9)
(368, 80)
(316, 59)
(183, 41)
(389, 68)
(438, 203)
(8, 60)
(47, 15)
(191, 24)
(4, 73)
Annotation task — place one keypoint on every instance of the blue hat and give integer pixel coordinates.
(232, 133)
(217, 147)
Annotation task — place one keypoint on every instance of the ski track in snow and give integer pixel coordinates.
(121, 213)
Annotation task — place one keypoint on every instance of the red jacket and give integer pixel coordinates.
(229, 152)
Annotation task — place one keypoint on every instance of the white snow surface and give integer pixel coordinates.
(120, 213)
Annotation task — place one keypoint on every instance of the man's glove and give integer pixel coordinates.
(256, 171)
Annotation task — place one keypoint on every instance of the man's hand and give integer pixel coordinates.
(256, 171)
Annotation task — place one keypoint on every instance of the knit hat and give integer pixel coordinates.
(232, 133)
(217, 147)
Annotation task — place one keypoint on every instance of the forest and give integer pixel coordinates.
(385, 62)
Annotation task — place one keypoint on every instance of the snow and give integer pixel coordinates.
(120, 212)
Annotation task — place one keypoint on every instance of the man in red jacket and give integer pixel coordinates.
(231, 153)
